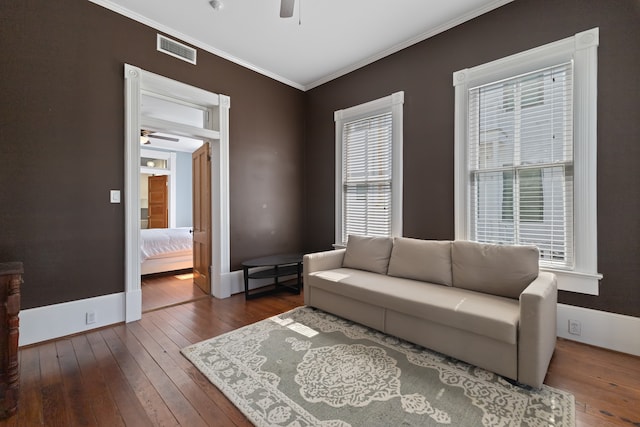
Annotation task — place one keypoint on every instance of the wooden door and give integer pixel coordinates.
(158, 202)
(201, 171)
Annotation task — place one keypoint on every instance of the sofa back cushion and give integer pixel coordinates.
(502, 270)
(368, 253)
(425, 260)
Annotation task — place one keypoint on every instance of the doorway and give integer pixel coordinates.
(168, 221)
(169, 217)
(214, 129)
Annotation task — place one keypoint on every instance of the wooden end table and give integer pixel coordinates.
(279, 266)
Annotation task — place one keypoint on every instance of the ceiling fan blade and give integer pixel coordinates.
(286, 8)
(166, 138)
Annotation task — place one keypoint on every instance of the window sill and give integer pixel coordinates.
(573, 281)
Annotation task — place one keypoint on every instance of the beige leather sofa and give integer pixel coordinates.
(488, 305)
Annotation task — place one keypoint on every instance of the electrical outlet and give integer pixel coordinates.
(575, 327)
(91, 317)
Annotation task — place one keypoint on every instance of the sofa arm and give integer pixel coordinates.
(319, 261)
(537, 339)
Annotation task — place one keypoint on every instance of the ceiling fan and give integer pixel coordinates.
(146, 134)
(286, 8)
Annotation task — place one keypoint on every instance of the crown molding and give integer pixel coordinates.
(108, 4)
(192, 41)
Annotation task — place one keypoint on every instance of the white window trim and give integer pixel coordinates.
(582, 49)
(393, 103)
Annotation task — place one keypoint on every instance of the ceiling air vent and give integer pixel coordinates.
(176, 49)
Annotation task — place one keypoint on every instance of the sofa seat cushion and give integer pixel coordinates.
(486, 315)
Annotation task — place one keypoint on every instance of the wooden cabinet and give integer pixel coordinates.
(10, 281)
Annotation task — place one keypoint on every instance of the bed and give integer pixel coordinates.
(165, 249)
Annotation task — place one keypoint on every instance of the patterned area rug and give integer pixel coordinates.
(310, 368)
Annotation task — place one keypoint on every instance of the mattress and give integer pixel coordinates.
(165, 242)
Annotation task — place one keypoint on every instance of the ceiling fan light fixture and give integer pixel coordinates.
(216, 5)
(144, 137)
(286, 8)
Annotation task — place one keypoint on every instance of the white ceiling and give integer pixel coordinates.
(154, 107)
(323, 40)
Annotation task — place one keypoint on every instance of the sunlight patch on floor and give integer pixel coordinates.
(187, 276)
(295, 326)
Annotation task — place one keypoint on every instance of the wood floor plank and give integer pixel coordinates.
(75, 394)
(129, 406)
(49, 367)
(587, 420)
(173, 350)
(168, 289)
(175, 370)
(97, 392)
(605, 392)
(617, 371)
(146, 392)
(54, 408)
(176, 402)
(30, 396)
(178, 325)
(163, 322)
(620, 403)
(200, 325)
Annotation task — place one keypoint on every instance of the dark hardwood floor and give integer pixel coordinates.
(164, 290)
(134, 375)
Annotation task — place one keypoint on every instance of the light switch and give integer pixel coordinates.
(115, 196)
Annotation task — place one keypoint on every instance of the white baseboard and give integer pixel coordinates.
(599, 328)
(608, 330)
(59, 320)
(133, 308)
(236, 282)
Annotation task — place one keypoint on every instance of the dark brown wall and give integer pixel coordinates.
(62, 146)
(424, 72)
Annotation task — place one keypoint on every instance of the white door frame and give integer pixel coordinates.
(136, 81)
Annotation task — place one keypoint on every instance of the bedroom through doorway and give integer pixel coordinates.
(166, 225)
(167, 210)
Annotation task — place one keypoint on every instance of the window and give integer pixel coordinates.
(526, 156)
(368, 169)
(521, 191)
(530, 196)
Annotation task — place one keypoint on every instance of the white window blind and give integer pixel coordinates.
(367, 176)
(520, 155)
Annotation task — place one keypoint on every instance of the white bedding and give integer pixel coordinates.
(165, 242)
